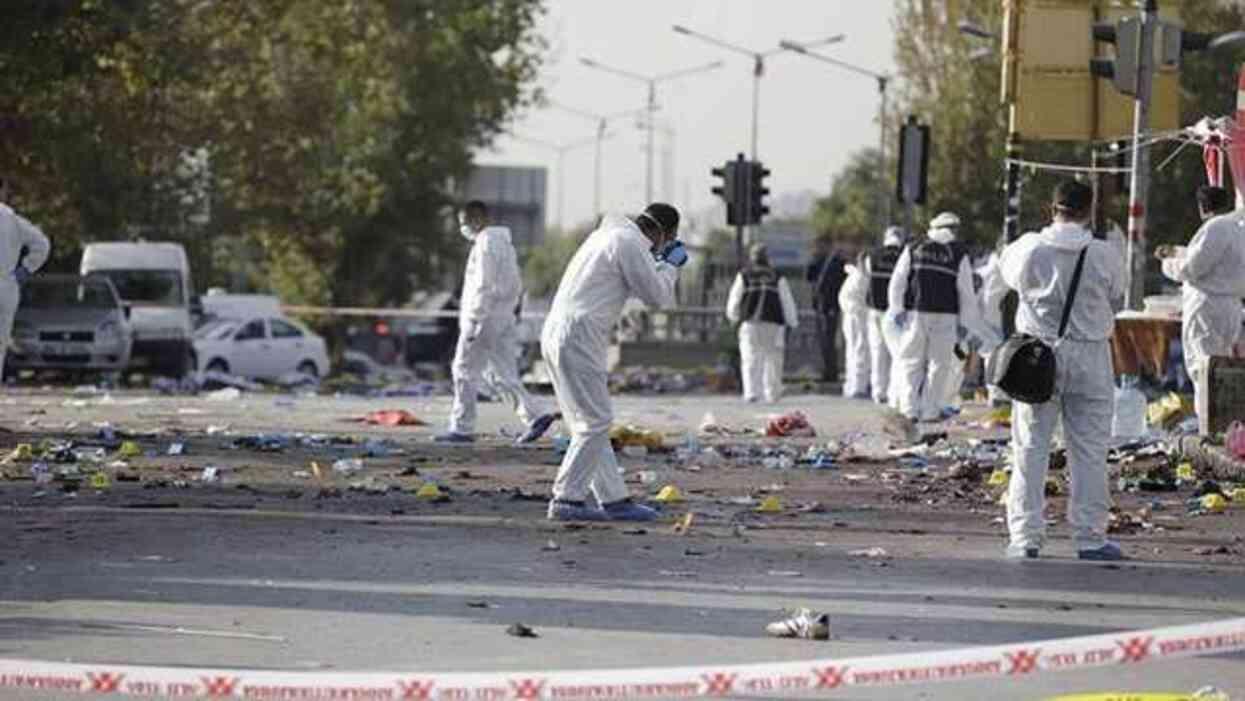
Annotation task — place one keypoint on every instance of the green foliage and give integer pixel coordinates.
(544, 264)
(850, 213)
(959, 98)
(334, 128)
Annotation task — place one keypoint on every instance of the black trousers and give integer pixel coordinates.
(828, 339)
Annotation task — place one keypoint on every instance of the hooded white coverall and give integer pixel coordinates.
(882, 348)
(1212, 270)
(762, 344)
(16, 233)
(613, 264)
(486, 334)
(927, 343)
(855, 313)
(1039, 266)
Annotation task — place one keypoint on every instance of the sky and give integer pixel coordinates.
(812, 115)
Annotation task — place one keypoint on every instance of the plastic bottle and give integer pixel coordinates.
(1129, 418)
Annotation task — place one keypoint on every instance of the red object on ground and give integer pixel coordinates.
(789, 425)
(393, 417)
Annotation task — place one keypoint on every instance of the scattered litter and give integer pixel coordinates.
(623, 436)
(874, 553)
(635, 451)
(1168, 411)
(998, 478)
(129, 449)
(100, 480)
(684, 525)
(551, 547)
(1185, 472)
(518, 630)
(480, 605)
(228, 394)
(24, 452)
(1213, 550)
(392, 418)
(769, 505)
(431, 492)
(347, 466)
(784, 573)
(210, 475)
(998, 418)
(803, 623)
(670, 494)
(1214, 503)
(677, 573)
(177, 449)
(790, 425)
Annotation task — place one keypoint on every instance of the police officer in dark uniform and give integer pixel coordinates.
(826, 274)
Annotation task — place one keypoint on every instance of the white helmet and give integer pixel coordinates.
(946, 220)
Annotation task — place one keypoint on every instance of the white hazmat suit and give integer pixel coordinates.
(882, 347)
(1212, 270)
(613, 264)
(1039, 266)
(762, 344)
(16, 233)
(487, 333)
(926, 355)
(855, 332)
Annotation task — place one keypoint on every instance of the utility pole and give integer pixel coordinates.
(1139, 197)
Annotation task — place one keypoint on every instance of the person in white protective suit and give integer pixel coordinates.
(1212, 272)
(930, 296)
(486, 333)
(855, 312)
(760, 301)
(625, 257)
(879, 266)
(23, 250)
(1040, 267)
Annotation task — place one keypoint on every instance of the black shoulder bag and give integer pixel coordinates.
(1024, 366)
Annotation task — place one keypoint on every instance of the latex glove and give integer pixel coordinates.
(675, 254)
(22, 275)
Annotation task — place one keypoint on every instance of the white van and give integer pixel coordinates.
(153, 280)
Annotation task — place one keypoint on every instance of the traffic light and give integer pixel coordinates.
(757, 191)
(734, 189)
(727, 190)
(1123, 69)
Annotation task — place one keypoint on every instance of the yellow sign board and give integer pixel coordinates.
(1048, 45)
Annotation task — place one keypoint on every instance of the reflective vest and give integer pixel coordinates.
(935, 271)
(882, 262)
(761, 292)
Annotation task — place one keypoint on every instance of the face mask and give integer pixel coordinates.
(467, 232)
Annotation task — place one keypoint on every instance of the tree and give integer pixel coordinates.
(544, 264)
(333, 131)
(850, 213)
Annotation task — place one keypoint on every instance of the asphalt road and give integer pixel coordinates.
(315, 577)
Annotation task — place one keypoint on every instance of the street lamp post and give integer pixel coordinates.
(601, 121)
(651, 107)
(561, 150)
(883, 82)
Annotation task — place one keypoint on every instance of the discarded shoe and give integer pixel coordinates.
(804, 623)
(1108, 552)
(537, 428)
(627, 510)
(454, 437)
(562, 510)
(1017, 552)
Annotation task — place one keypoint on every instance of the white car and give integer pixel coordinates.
(265, 347)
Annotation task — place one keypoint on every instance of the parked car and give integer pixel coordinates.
(266, 347)
(154, 280)
(69, 322)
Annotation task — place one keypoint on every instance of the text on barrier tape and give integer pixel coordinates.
(1016, 661)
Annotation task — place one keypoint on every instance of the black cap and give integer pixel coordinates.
(667, 217)
(1074, 197)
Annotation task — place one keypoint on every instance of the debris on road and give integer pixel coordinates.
(518, 630)
(391, 418)
(628, 436)
(874, 553)
(790, 425)
(803, 623)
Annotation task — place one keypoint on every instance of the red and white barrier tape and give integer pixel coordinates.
(817, 677)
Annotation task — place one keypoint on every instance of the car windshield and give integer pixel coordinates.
(216, 330)
(154, 287)
(80, 294)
